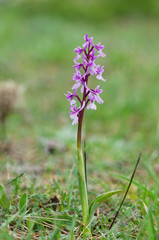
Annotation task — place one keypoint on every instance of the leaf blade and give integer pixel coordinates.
(98, 200)
(23, 203)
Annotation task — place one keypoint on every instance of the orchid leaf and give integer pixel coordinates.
(4, 200)
(98, 200)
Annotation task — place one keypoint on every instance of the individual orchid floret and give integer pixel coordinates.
(75, 111)
(78, 50)
(99, 47)
(70, 96)
(91, 105)
(99, 71)
(88, 40)
(87, 54)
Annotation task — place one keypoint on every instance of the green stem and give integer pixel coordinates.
(82, 186)
(81, 175)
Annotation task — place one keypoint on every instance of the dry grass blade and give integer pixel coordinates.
(138, 160)
(14, 179)
(86, 227)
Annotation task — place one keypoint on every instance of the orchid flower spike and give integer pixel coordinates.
(83, 70)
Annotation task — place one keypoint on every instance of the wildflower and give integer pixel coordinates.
(81, 97)
(88, 53)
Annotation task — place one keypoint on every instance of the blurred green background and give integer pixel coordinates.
(37, 39)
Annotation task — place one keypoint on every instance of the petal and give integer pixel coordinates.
(82, 89)
(91, 97)
(101, 53)
(93, 70)
(85, 45)
(91, 41)
(97, 90)
(78, 50)
(91, 106)
(76, 85)
(76, 58)
(99, 77)
(99, 46)
(74, 118)
(86, 37)
(98, 99)
(77, 66)
(77, 76)
(72, 102)
(84, 58)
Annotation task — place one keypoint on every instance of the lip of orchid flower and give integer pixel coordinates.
(87, 64)
(76, 85)
(91, 105)
(76, 58)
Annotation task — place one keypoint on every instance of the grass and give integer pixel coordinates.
(37, 52)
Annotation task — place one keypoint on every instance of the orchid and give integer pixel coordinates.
(83, 70)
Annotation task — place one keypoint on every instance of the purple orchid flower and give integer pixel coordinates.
(84, 97)
(88, 56)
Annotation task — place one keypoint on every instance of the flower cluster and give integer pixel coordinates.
(83, 70)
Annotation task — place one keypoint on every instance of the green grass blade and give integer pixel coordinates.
(4, 235)
(151, 226)
(71, 188)
(139, 185)
(72, 229)
(4, 200)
